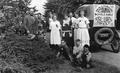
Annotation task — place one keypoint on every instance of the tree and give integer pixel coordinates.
(65, 6)
(18, 54)
(13, 10)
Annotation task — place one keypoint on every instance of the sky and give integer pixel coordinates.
(39, 5)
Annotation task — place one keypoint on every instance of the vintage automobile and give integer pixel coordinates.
(104, 24)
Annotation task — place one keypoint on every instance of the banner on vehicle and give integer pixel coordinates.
(104, 15)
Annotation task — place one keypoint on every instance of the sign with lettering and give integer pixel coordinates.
(104, 15)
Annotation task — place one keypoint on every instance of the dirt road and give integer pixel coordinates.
(104, 56)
(108, 57)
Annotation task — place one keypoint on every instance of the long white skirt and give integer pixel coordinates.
(83, 35)
(55, 38)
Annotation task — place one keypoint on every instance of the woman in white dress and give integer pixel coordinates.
(55, 27)
(55, 37)
(75, 26)
(82, 31)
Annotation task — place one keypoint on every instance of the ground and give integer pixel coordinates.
(98, 67)
(108, 57)
(34, 56)
(103, 62)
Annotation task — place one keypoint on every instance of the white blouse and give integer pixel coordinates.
(67, 21)
(55, 25)
(83, 22)
(77, 49)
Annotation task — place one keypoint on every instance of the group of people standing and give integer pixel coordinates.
(73, 31)
(70, 36)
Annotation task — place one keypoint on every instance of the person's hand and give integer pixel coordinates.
(28, 31)
(78, 56)
(70, 34)
(88, 27)
(63, 34)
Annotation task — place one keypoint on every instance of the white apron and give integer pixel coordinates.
(55, 38)
(75, 24)
(82, 31)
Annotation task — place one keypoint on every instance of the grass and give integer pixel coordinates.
(20, 52)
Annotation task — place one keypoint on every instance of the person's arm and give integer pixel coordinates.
(89, 56)
(49, 21)
(63, 23)
(87, 22)
(73, 23)
(79, 54)
(73, 20)
(60, 28)
(25, 24)
(74, 50)
(50, 26)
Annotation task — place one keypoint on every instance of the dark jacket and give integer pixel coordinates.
(31, 23)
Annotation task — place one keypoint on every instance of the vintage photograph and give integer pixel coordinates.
(59, 36)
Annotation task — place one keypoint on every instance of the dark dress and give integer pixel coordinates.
(66, 27)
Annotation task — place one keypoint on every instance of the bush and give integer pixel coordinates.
(34, 56)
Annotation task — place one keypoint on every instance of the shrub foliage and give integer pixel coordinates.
(17, 53)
